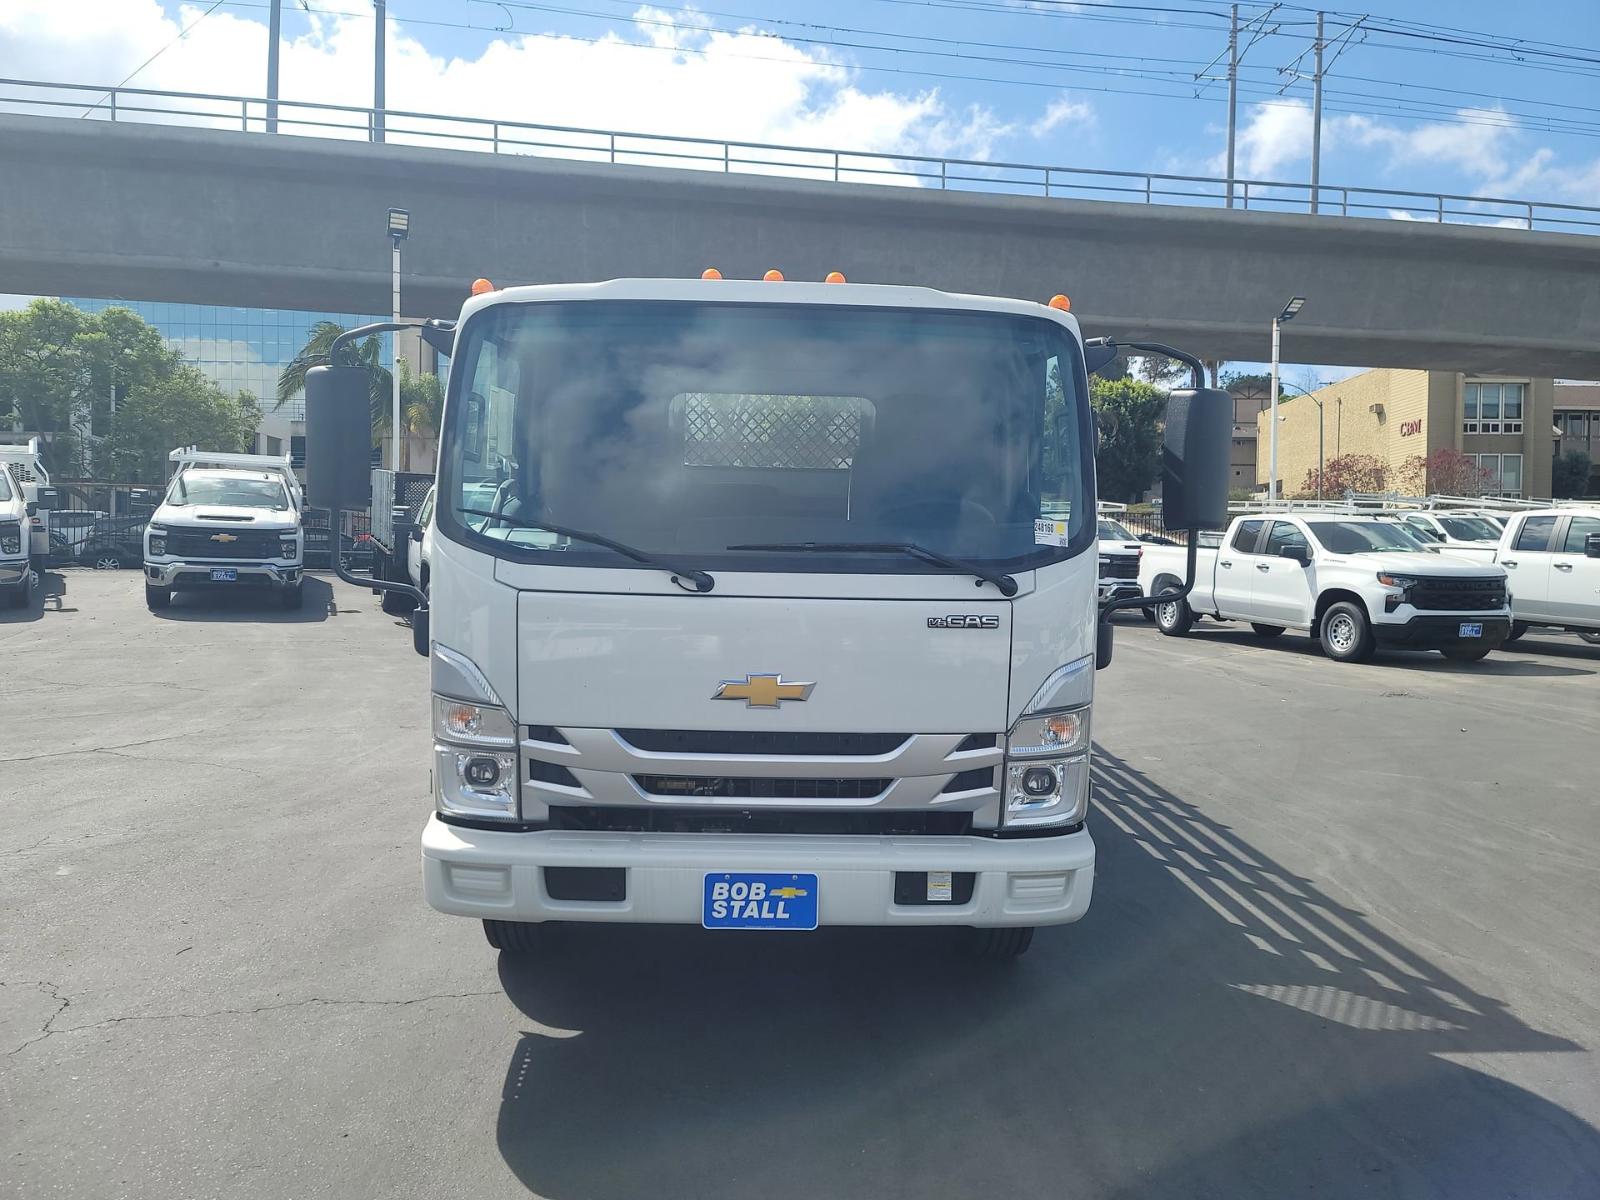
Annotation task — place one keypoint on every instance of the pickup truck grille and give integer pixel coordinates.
(1459, 595)
(1119, 566)
(704, 741)
(202, 543)
(616, 819)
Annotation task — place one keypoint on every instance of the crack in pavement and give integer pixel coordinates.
(62, 1004)
(49, 1028)
(192, 762)
(171, 737)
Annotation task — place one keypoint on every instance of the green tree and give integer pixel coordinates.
(1130, 416)
(182, 409)
(421, 402)
(1569, 477)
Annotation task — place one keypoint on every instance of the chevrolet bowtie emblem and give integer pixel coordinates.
(223, 537)
(762, 691)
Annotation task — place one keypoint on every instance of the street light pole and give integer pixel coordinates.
(399, 228)
(274, 32)
(1318, 403)
(1296, 303)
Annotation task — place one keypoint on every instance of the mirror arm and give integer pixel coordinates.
(1110, 606)
(1196, 367)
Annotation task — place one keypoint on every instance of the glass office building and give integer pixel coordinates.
(242, 349)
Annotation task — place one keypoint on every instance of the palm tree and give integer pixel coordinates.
(421, 402)
(368, 354)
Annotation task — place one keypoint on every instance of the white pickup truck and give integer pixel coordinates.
(17, 576)
(1552, 560)
(1353, 582)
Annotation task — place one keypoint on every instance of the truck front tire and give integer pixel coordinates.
(156, 598)
(1002, 943)
(1345, 633)
(22, 595)
(1518, 628)
(1465, 654)
(1174, 617)
(514, 937)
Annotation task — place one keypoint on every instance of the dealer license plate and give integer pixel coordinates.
(759, 900)
(1472, 629)
(224, 574)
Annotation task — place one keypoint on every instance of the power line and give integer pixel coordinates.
(182, 33)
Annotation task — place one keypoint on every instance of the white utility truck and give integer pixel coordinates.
(227, 521)
(24, 462)
(743, 610)
(1552, 557)
(17, 573)
(1354, 581)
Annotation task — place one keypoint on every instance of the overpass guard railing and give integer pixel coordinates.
(255, 114)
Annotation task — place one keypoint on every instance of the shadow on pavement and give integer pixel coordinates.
(1507, 660)
(251, 604)
(1216, 1027)
(49, 595)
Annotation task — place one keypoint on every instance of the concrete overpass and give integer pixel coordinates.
(160, 213)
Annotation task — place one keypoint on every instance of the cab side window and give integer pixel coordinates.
(1285, 535)
(1247, 535)
(1534, 534)
(1579, 531)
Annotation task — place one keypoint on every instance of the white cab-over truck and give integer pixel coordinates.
(1552, 559)
(17, 574)
(227, 521)
(1353, 582)
(742, 611)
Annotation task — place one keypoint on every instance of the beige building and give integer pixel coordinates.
(1577, 421)
(1503, 423)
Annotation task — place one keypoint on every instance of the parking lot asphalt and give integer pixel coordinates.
(1343, 944)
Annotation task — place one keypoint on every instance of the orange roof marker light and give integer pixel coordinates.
(480, 286)
(773, 276)
(711, 273)
(1061, 302)
(835, 277)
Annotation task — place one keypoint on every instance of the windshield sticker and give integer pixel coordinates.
(1050, 533)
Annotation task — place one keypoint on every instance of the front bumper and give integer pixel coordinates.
(1435, 632)
(499, 875)
(198, 574)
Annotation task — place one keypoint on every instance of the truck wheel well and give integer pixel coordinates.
(1329, 598)
(1162, 581)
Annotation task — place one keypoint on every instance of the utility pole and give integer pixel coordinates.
(1233, 93)
(1316, 120)
(274, 28)
(381, 21)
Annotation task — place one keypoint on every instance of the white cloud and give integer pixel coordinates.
(15, 303)
(1063, 108)
(669, 73)
(1477, 148)
(1273, 136)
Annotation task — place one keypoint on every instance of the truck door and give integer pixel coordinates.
(1574, 586)
(1527, 566)
(1235, 568)
(1284, 590)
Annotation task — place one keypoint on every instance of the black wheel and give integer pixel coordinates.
(1149, 614)
(1518, 628)
(1465, 654)
(1345, 633)
(514, 937)
(1002, 943)
(1266, 631)
(157, 597)
(1174, 617)
(23, 594)
(292, 597)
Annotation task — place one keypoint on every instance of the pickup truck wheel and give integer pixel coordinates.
(1002, 943)
(156, 598)
(514, 937)
(1174, 617)
(1518, 628)
(1465, 654)
(1345, 634)
(1266, 631)
(23, 593)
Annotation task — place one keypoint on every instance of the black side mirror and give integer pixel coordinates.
(1300, 554)
(33, 508)
(1104, 633)
(419, 630)
(1591, 546)
(1194, 459)
(338, 437)
(416, 533)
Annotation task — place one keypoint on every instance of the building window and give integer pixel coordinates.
(1492, 407)
(1501, 474)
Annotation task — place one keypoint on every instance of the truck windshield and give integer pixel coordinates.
(1111, 531)
(1471, 529)
(1363, 537)
(684, 429)
(232, 493)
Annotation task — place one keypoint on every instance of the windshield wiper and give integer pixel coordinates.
(702, 581)
(1006, 584)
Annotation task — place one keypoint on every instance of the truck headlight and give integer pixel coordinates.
(11, 539)
(157, 540)
(475, 783)
(1047, 769)
(288, 548)
(467, 724)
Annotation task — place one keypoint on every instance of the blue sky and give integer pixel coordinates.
(1423, 95)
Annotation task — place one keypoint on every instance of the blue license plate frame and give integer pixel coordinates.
(1470, 629)
(785, 900)
(224, 574)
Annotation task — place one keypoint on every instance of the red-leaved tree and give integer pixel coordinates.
(1447, 472)
(1347, 473)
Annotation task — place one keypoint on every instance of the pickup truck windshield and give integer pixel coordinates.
(1471, 529)
(1110, 531)
(230, 493)
(682, 429)
(1362, 537)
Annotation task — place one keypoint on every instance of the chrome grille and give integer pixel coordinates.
(203, 543)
